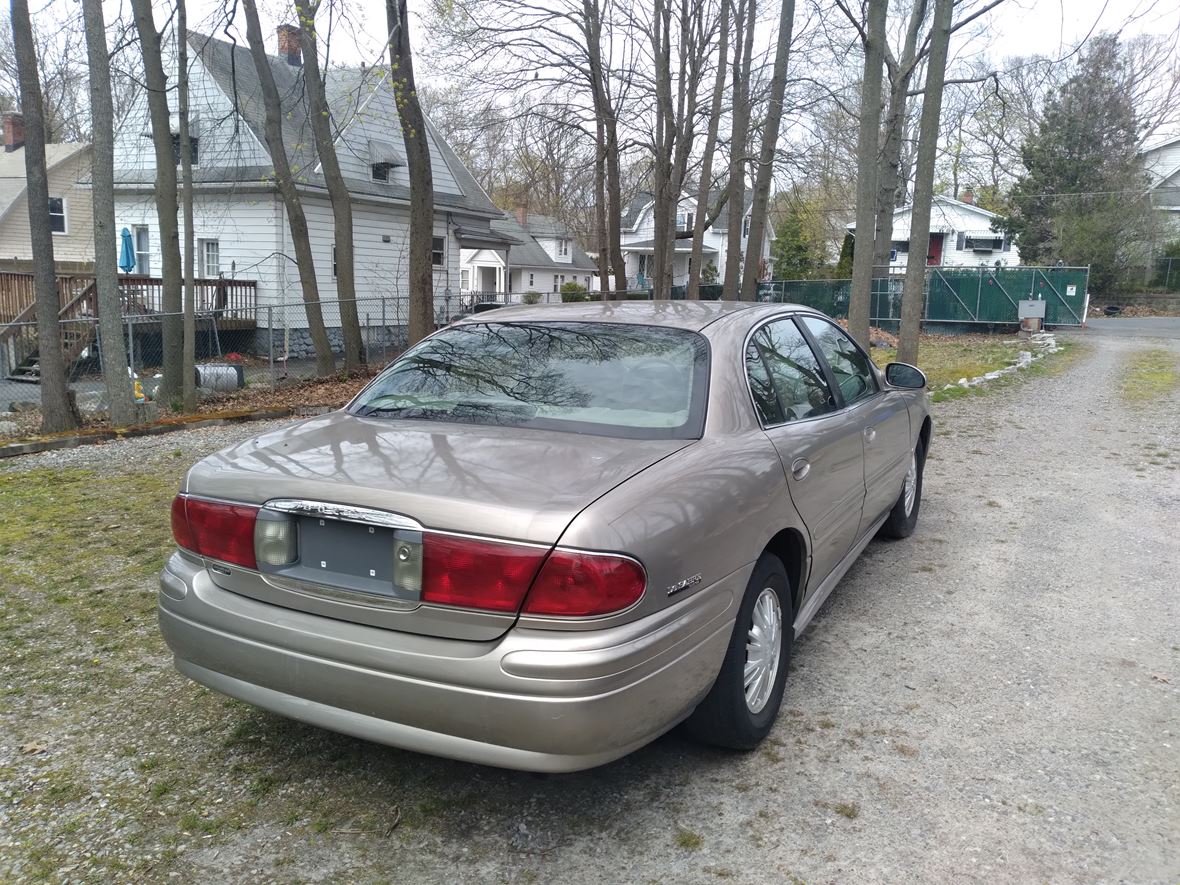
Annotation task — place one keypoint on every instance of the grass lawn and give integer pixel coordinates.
(947, 358)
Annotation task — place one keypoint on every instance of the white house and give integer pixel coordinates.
(961, 235)
(537, 254)
(70, 216)
(1162, 164)
(240, 222)
(638, 238)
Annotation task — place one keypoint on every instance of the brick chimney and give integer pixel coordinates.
(967, 196)
(289, 45)
(14, 132)
(522, 215)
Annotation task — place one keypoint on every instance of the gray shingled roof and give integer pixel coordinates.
(643, 199)
(232, 67)
(530, 253)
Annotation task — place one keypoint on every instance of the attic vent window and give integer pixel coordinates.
(193, 148)
(381, 171)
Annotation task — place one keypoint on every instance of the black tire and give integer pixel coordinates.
(899, 523)
(724, 717)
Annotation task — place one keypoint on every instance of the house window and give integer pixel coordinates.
(556, 285)
(143, 251)
(333, 261)
(57, 215)
(193, 148)
(745, 227)
(438, 251)
(465, 279)
(563, 247)
(531, 283)
(685, 221)
(380, 171)
(210, 257)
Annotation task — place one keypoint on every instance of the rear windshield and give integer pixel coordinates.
(641, 382)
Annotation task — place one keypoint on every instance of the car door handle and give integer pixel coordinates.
(800, 467)
(870, 434)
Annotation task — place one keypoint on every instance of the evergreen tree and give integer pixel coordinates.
(1081, 199)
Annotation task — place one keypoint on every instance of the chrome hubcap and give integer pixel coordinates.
(763, 649)
(911, 484)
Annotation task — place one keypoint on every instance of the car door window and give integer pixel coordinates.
(847, 361)
(793, 372)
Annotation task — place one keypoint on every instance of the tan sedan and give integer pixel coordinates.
(546, 535)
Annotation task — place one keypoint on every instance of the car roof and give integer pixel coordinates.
(693, 315)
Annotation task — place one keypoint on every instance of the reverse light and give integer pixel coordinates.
(275, 538)
(578, 584)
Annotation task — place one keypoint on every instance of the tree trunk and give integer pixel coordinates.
(664, 208)
(704, 186)
(106, 238)
(913, 291)
(600, 206)
(189, 385)
(866, 174)
(401, 63)
(765, 171)
(57, 412)
(743, 22)
(166, 201)
(325, 147)
(325, 362)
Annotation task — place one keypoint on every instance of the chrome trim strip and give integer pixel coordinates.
(343, 513)
(357, 598)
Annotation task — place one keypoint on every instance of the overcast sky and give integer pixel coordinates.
(1017, 27)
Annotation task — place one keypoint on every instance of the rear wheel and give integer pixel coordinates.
(903, 518)
(740, 709)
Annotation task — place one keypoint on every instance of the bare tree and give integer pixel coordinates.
(189, 387)
(354, 349)
(166, 199)
(58, 46)
(891, 187)
(102, 192)
(913, 292)
(873, 39)
(56, 409)
(745, 15)
(705, 182)
(765, 171)
(401, 63)
(325, 362)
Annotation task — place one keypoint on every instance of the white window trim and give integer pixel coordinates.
(65, 217)
(202, 246)
(441, 266)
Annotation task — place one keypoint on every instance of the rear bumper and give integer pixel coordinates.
(537, 700)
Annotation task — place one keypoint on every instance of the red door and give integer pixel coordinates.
(934, 255)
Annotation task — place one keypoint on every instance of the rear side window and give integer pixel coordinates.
(847, 361)
(780, 363)
(639, 382)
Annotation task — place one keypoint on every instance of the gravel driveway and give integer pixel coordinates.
(996, 699)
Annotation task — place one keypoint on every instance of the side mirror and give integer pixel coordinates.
(905, 375)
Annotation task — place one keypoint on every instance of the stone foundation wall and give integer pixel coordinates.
(299, 344)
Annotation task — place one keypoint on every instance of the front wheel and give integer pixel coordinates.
(903, 518)
(740, 709)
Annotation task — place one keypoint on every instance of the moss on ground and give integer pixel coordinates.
(1150, 375)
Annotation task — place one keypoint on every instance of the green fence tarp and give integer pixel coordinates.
(954, 295)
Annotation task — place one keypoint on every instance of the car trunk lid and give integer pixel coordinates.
(492, 482)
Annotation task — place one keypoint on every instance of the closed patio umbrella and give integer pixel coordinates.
(126, 252)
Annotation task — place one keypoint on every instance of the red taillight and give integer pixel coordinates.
(217, 530)
(580, 584)
(477, 574)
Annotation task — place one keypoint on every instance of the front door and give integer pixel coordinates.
(819, 446)
(934, 255)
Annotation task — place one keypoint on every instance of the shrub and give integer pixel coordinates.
(573, 291)
(531, 297)
(709, 274)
